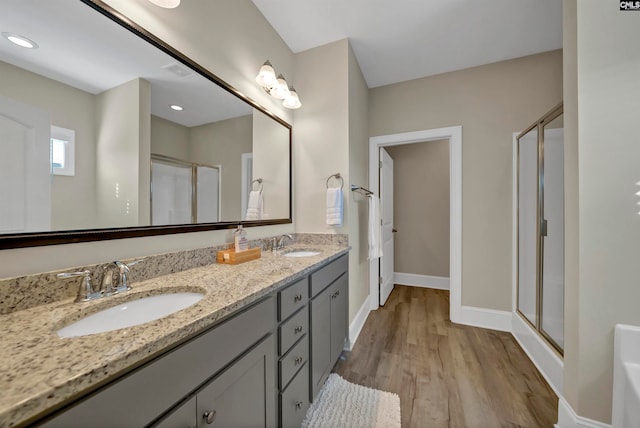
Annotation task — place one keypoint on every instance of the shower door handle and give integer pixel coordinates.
(543, 228)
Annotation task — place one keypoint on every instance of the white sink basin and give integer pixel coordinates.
(302, 253)
(130, 313)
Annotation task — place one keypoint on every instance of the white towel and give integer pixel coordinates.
(375, 228)
(254, 207)
(334, 207)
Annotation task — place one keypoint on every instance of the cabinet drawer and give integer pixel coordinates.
(292, 298)
(294, 401)
(293, 329)
(141, 396)
(291, 363)
(326, 275)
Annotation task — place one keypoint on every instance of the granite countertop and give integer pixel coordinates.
(39, 370)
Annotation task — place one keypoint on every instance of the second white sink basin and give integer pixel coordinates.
(302, 253)
(131, 313)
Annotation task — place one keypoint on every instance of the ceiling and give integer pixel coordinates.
(89, 52)
(399, 40)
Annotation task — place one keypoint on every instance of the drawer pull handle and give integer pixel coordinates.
(209, 417)
(297, 329)
(297, 298)
(298, 360)
(298, 405)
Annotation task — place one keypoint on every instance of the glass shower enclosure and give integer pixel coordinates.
(183, 192)
(540, 299)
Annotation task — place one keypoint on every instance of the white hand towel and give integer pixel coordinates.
(375, 228)
(254, 207)
(334, 207)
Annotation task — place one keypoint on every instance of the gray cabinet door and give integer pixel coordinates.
(338, 294)
(183, 417)
(320, 341)
(244, 394)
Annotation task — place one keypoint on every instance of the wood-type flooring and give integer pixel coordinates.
(447, 375)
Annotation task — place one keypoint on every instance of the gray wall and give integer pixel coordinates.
(491, 102)
(421, 207)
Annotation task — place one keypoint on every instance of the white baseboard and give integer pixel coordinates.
(485, 318)
(358, 322)
(567, 418)
(548, 363)
(427, 281)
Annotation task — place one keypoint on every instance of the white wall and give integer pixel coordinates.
(608, 241)
(222, 143)
(119, 147)
(271, 163)
(359, 175)
(321, 138)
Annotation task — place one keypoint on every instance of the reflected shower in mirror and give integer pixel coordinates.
(83, 113)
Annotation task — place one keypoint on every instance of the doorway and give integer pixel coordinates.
(454, 136)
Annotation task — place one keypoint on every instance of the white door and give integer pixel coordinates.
(25, 181)
(386, 205)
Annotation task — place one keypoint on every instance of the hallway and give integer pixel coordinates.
(447, 375)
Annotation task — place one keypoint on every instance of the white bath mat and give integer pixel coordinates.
(344, 404)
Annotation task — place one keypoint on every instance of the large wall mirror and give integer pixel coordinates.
(106, 132)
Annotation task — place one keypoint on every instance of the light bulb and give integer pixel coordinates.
(167, 4)
(281, 90)
(266, 76)
(292, 101)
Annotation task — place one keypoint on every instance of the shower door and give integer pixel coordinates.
(183, 192)
(540, 297)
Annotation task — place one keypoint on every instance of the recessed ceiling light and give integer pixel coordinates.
(21, 41)
(176, 107)
(168, 4)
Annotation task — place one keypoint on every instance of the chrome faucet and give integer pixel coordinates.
(86, 291)
(281, 241)
(122, 285)
(109, 285)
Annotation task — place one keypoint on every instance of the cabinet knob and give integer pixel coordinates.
(209, 417)
(297, 298)
(299, 405)
(298, 360)
(297, 329)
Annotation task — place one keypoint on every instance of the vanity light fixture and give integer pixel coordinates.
(21, 41)
(176, 107)
(277, 87)
(167, 4)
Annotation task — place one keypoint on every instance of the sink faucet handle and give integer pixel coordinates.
(135, 262)
(86, 291)
(123, 284)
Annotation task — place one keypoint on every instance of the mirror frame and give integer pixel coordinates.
(35, 239)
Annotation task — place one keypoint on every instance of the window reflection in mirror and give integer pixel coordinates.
(114, 91)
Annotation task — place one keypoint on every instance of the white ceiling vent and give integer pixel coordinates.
(178, 69)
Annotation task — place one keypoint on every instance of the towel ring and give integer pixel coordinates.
(253, 184)
(337, 176)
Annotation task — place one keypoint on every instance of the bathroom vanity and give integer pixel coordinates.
(253, 352)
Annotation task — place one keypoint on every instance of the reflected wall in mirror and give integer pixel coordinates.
(107, 94)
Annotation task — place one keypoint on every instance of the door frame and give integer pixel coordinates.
(454, 135)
